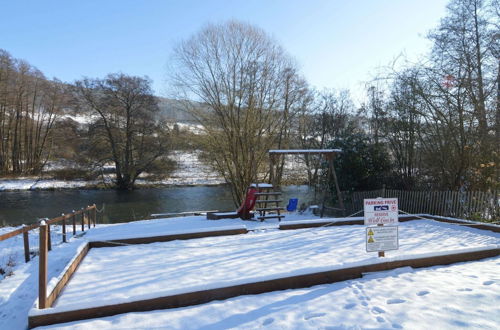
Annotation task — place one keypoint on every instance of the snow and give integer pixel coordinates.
(261, 185)
(127, 273)
(464, 295)
(33, 183)
(185, 266)
(190, 171)
(303, 151)
(80, 119)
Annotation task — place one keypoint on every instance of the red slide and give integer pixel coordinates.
(248, 204)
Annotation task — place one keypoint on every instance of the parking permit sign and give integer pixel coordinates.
(381, 211)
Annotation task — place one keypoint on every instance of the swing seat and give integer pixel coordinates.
(292, 204)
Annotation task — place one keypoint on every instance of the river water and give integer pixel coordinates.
(26, 207)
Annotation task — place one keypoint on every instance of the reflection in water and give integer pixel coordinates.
(25, 207)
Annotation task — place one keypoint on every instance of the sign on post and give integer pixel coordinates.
(381, 211)
(382, 238)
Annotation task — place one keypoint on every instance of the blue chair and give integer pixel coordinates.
(292, 204)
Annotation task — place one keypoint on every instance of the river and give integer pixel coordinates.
(26, 207)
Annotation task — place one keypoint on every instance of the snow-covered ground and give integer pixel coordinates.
(381, 300)
(465, 295)
(12, 249)
(190, 171)
(185, 266)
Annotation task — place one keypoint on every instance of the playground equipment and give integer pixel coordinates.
(265, 200)
(260, 194)
(292, 204)
(329, 154)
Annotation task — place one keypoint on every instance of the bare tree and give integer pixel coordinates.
(29, 105)
(128, 132)
(328, 115)
(240, 76)
(403, 126)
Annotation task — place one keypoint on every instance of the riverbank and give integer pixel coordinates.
(190, 171)
(34, 184)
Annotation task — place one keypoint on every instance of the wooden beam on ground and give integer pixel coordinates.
(222, 215)
(326, 223)
(67, 276)
(482, 226)
(286, 283)
(167, 238)
(176, 214)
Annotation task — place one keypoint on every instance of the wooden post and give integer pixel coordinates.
(271, 169)
(73, 216)
(49, 241)
(88, 217)
(26, 245)
(381, 253)
(95, 215)
(42, 268)
(83, 220)
(64, 229)
(331, 172)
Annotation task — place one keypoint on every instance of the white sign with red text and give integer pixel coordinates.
(382, 211)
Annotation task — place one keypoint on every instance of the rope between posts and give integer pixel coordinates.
(102, 209)
(455, 223)
(328, 224)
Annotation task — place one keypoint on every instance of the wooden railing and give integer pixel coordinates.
(86, 216)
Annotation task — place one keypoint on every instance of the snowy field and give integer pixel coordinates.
(162, 269)
(465, 295)
(380, 300)
(190, 171)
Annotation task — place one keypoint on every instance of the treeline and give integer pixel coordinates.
(29, 105)
(121, 125)
(428, 125)
(440, 119)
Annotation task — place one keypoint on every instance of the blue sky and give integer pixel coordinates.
(337, 44)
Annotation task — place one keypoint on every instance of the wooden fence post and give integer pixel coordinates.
(88, 217)
(74, 223)
(64, 229)
(83, 220)
(26, 244)
(49, 241)
(42, 268)
(95, 215)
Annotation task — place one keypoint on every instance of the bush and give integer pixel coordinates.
(73, 174)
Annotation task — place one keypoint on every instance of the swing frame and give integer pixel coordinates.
(329, 154)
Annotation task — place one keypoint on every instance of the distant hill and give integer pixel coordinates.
(174, 111)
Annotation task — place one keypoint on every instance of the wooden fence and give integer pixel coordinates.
(474, 205)
(87, 216)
